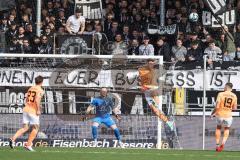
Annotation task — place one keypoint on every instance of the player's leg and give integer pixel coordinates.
(34, 122)
(21, 131)
(152, 98)
(218, 136)
(96, 122)
(31, 137)
(227, 122)
(109, 122)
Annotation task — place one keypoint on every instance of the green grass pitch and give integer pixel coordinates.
(113, 154)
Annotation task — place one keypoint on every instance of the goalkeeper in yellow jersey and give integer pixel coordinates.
(148, 81)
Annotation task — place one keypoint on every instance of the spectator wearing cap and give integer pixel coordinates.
(162, 48)
(134, 47)
(76, 23)
(146, 48)
(194, 53)
(61, 19)
(213, 52)
(179, 52)
(12, 32)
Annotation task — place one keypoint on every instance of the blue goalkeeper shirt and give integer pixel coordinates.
(103, 105)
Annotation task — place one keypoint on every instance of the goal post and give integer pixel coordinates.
(70, 83)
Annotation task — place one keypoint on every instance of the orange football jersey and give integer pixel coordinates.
(34, 93)
(225, 102)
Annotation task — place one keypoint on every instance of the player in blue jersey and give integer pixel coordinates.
(104, 105)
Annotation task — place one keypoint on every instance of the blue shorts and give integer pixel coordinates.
(108, 121)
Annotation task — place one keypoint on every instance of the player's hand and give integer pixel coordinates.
(212, 116)
(118, 117)
(38, 113)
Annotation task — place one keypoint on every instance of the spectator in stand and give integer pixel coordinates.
(14, 46)
(195, 53)
(12, 32)
(113, 31)
(237, 53)
(108, 22)
(162, 48)
(61, 31)
(76, 23)
(146, 48)
(213, 52)
(45, 47)
(207, 40)
(237, 34)
(50, 7)
(11, 20)
(179, 52)
(36, 44)
(24, 21)
(120, 46)
(25, 47)
(126, 34)
(29, 33)
(48, 32)
(194, 37)
(229, 53)
(222, 42)
(61, 19)
(21, 34)
(134, 47)
(4, 26)
(89, 29)
(138, 23)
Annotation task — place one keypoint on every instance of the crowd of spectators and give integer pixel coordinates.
(125, 23)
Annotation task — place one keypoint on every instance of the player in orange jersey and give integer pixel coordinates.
(226, 102)
(31, 113)
(148, 81)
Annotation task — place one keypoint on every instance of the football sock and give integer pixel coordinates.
(117, 134)
(94, 132)
(217, 135)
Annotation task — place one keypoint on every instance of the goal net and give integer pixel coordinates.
(70, 83)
